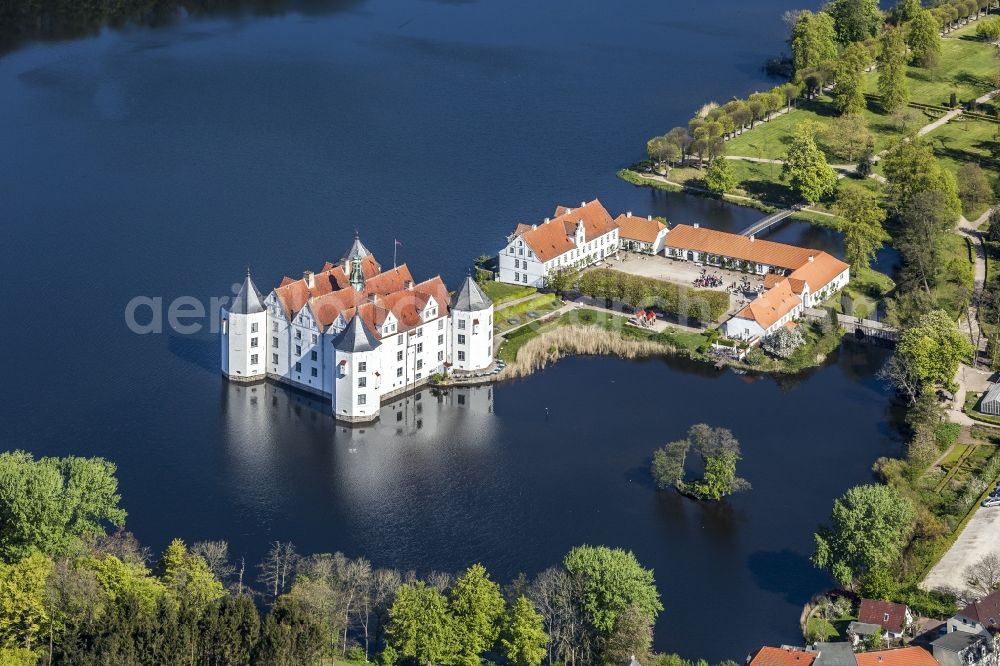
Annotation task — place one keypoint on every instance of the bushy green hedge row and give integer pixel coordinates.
(704, 305)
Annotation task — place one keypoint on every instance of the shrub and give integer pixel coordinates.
(783, 342)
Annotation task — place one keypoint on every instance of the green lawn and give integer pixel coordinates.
(501, 292)
(516, 315)
(867, 287)
(966, 68)
(967, 140)
(771, 139)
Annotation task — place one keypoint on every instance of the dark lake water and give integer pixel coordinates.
(161, 162)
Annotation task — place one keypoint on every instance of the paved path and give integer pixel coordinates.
(967, 379)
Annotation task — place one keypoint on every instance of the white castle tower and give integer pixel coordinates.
(471, 328)
(357, 369)
(244, 331)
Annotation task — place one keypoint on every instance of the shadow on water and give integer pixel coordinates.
(773, 571)
(200, 351)
(61, 20)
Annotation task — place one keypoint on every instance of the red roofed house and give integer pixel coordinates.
(979, 617)
(907, 656)
(767, 313)
(573, 238)
(641, 234)
(893, 618)
(355, 333)
(783, 656)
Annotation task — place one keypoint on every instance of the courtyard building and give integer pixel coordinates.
(573, 238)
(641, 234)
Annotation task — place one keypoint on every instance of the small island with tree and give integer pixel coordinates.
(719, 451)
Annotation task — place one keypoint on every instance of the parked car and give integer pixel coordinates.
(992, 500)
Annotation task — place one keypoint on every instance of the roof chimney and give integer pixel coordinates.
(751, 238)
(628, 214)
(546, 221)
(408, 284)
(582, 204)
(696, 225)
(811, 258)
(310, 278)
(649, 217)
(535, 226)
(373, 298)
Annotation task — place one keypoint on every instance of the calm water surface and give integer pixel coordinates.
(163, 161)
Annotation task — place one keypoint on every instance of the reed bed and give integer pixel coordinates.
(551, 345)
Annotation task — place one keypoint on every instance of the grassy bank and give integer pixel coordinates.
(971, 409)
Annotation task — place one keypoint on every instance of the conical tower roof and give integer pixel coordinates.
(248, 300)
(470, 298)
(357, 251)
(355, 337)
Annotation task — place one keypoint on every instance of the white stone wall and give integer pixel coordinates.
(244, 345)
(472, 340)
(357, 385)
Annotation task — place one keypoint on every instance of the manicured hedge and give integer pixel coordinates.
(704, 305)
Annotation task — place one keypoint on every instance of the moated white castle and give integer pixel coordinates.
(355, 333)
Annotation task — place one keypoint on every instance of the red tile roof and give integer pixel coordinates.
(820, 271)
(642, 229)
(294, 294)
(772, 656)
(890, 616)
(907, 656)
(699, 239)
(986, 611)
(774, 304)
(553, 238)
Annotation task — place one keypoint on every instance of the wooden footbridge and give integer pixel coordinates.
(863, 330)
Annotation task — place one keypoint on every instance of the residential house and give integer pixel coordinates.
(979, 617)
(783, 656)
(641, 234)
(893, 618)
(775, 308)
(905, 656)
(960, 648)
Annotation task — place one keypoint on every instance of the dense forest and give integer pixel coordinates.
(76, 588)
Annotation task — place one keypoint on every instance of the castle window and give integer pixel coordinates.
(253, 359)
(298, 350)
(461, 339)
(461, 356)
(440, 356)
(274, 342)
(314, 356)
(440, 324)
(461, 324)
(314, 338)
(362, 366)
(253, 327)
(399, 356)
(362, 399)
(314, 372)
(420, 332)
(362, 382)
(420, 347)
(399, 372)
(274, 359)
(298, 334)
(298, 367)
(225, 327)
(440, 339)
(400, 340)
(420, 364)
(274, 326)
(253, 343)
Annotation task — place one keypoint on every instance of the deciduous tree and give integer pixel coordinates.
(934, 347)
(924, 39)
(806, 169)
(974, 188)
(892, 87)
(862, 227)
(869, 526)
(524, 639)
(813, 40)
(477, 612)
(720, 176)
(609, 581)
(420, 626)
(855, 20)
